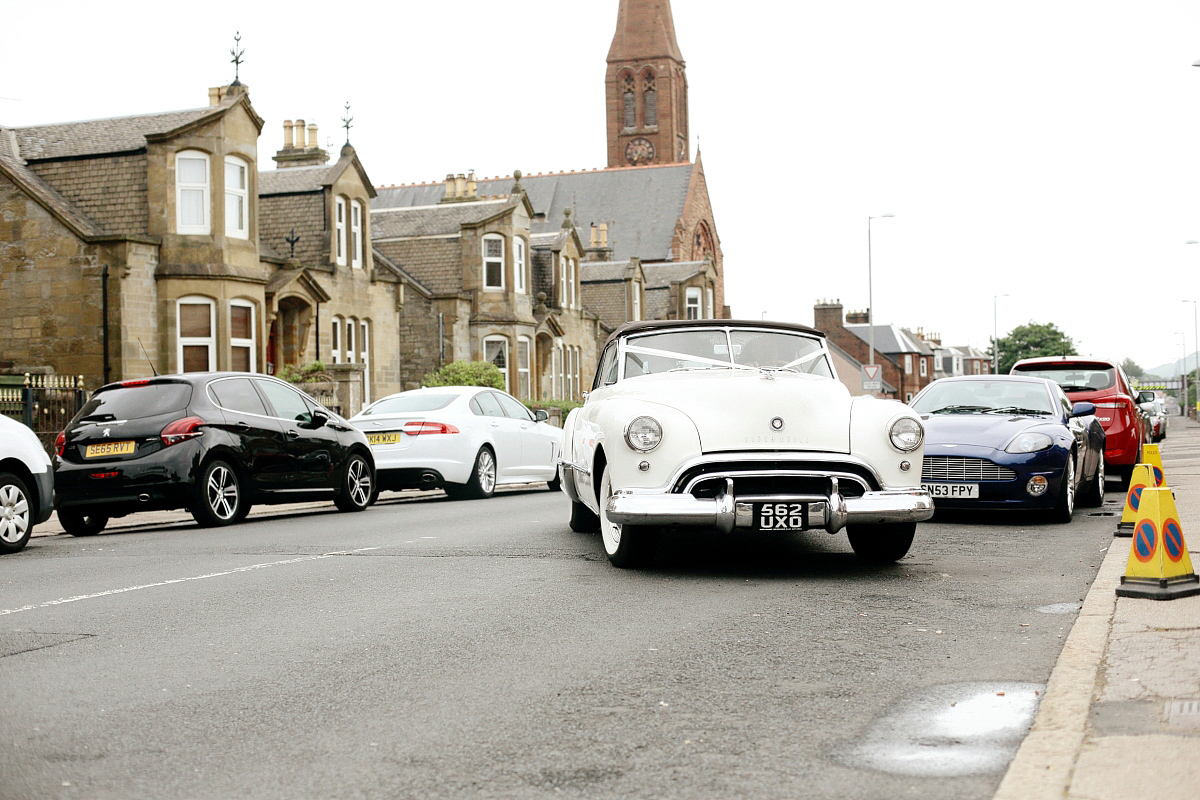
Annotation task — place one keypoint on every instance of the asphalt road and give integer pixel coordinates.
(430, 649)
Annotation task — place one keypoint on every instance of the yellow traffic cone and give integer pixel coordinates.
(1151, 456)
(1159, 567)
(1141, 479)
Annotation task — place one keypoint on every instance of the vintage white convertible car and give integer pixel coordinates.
(738, 425)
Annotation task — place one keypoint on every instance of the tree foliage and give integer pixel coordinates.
(1030, 341)
(466, 373)
(1132, 369)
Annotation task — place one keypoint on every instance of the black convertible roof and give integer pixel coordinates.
(669, 324)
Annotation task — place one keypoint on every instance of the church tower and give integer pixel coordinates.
(646, 88)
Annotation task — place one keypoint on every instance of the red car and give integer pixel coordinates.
(1104, 383)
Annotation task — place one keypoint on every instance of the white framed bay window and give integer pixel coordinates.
(519, 265)
(335, 340)
(242, 338)
(196, 334)
(693, 302)
(192, 192)
(495, 351)
(339, 231)
(237, 198)
(356, 238)
(493, 261)
(524, 385)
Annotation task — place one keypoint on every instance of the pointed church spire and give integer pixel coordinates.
(645, 29)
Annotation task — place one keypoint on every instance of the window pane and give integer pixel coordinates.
(239, 322)
(195, 358)
(238, 395)
(512, 408)
(650, 99)
(240, 361)
(195, 320)
(630, 110)
(288, 404)
(494, 274)
(235, 213)
(191, 170)
(191, 206)
(235, 176)
(495, 248)
(491, 407)
(497, 353)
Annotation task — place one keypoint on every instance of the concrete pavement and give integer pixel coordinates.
(1121, 715)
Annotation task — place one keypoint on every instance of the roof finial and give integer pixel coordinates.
(346, 120)
(292, 241)
(237, 52)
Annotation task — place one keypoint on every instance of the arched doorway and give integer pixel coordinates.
(289, 343)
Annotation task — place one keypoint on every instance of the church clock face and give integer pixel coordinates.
(639, 151)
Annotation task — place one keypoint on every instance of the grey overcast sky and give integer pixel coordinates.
(1044, 149)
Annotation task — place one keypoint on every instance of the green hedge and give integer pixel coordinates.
(466, 373)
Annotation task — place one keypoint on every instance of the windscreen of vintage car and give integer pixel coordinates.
(1073, 377)
(701, 349)
(984, 397)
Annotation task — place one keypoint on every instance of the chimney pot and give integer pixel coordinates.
(472, 186)
(604, 234)
(460, 185)
(595, 236)
(287, 134)
(312, 134)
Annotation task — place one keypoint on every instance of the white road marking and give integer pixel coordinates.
(64, 600)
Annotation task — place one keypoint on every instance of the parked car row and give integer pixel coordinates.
(216, 444)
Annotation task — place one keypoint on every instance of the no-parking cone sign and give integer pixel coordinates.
(1141, 480)
(1159, 567)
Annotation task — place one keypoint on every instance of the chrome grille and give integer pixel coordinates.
(956, 468)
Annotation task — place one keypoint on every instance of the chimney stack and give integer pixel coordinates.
(296, 151)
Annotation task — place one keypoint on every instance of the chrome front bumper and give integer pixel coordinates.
(726, 512)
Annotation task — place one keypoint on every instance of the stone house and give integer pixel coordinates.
(135, 244)
(907, 362)
(495, 291)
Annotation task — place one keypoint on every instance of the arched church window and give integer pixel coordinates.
(702, 244)
(649, 99)
(628, 85)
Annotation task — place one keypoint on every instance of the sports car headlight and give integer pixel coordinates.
(1029, 443)
(643, 434)
(906, 434)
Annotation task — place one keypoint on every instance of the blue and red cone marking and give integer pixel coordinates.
(1135, 497)
(1144, 539)
(1173, 539)
(1158, 476)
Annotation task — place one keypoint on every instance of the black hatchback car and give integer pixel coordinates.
(213, 443)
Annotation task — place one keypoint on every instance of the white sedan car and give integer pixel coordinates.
(26, 484)
(465, 439)
(738, 425)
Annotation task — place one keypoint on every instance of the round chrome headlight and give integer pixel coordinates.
(643, 434)
(1029, 443)
(906, 434)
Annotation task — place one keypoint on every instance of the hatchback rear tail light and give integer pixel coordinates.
(60, 443)
(139, 382)
(182, 429)
(416, 428)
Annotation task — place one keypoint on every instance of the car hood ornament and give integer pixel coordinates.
(777, 423)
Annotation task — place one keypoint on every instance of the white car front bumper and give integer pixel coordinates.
(725, 512)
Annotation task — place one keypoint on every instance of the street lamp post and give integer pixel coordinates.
(995, 336)
(1183, 374)
(870, 290)
(1195, 342)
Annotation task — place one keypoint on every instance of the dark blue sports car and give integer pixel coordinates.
(1005, 441)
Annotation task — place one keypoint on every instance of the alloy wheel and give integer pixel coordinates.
(1069, 479)
(14, 513)
(222, 493)
(358, 482)
(487, 471)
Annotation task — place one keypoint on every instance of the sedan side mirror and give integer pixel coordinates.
(1145, 397)
(319, 419)
(540, 416)
(1083, 409)
(1148, 407)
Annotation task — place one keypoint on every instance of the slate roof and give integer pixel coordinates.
(383, 260)
(101, 136)
(888, 338)
(598, 271)
(662, 275)
(47, 197)
(439, 220)
(554, 240)
(640, 204)
(296, 180)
